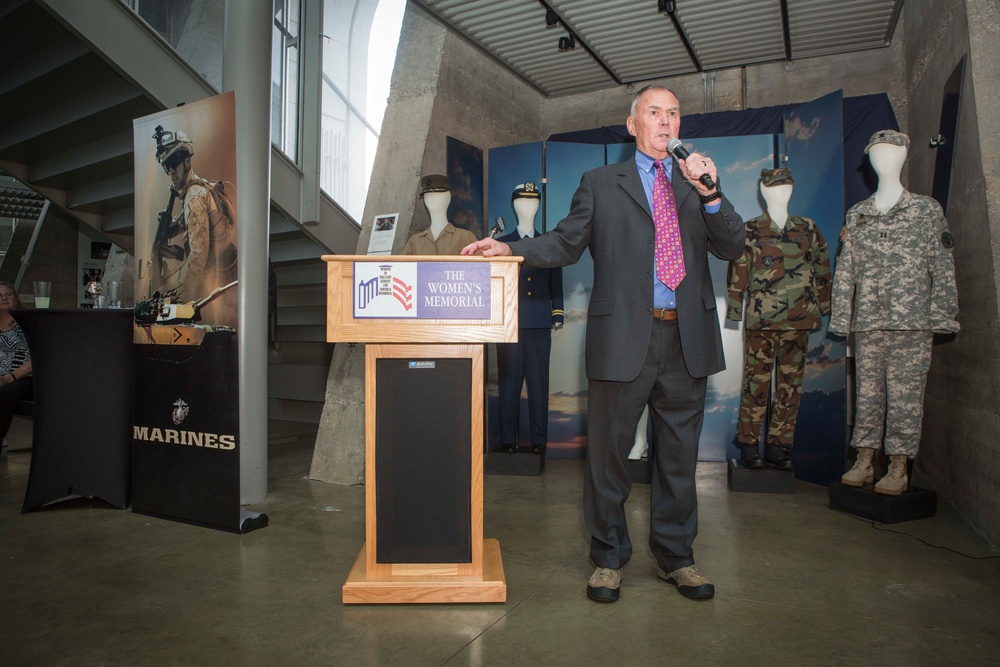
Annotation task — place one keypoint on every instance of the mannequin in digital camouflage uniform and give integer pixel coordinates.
(784, 277)
(893, 289)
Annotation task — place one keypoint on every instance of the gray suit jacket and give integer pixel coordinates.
(610, 216)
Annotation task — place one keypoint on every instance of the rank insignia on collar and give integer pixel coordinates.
(809, 256)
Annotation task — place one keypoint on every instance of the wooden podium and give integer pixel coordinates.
(425, 320)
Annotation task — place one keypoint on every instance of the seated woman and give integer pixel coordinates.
(15, 361)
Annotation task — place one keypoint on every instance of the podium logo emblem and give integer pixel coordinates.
(425, 290)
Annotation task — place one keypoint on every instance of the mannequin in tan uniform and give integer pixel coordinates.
(442, 237)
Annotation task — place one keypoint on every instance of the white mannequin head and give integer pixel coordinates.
(436, 204)
(776, 196)
(887, 152)
(776, 189)
(435, 190)
(525, 200)
(526, 210)
(887, 160)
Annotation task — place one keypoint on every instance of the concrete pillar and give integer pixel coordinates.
(311, 63)
(247, 70)
(339, 456)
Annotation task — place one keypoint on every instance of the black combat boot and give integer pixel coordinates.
(750, 457)
(778, 457)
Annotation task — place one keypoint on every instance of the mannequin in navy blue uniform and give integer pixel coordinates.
(540, 307)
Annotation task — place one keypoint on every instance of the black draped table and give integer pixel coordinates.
(82, 362)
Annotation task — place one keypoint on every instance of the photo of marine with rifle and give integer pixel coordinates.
(191, 237)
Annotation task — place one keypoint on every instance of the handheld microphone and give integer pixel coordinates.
(677, 148)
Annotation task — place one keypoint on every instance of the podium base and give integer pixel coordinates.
(767, 480)
(865, 503)
(525, 464)
(429, 589)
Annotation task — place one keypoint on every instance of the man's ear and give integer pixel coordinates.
(630, 125)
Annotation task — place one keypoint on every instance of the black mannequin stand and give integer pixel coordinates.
(767, 480)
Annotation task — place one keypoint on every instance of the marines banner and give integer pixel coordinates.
(186, 445)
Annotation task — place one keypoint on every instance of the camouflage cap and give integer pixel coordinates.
(434, 183)
(893, 137)
(526, 190)
(771, 177)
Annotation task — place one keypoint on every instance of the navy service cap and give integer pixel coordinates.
(434, 183)
(526, 190)
(771, 177)
(893, 137)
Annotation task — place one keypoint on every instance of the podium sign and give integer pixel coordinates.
(424, 369)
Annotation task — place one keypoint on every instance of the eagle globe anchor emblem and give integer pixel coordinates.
(180, 411)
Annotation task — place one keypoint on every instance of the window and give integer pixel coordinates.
(285, 77)
(359, 53)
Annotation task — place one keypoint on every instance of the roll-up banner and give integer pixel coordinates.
(186, 444)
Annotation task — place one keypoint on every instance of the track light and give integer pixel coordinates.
(551, 19)
(567, 43)
(668, 6)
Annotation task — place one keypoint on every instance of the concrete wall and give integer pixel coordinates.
(769, 84)
(960, 448)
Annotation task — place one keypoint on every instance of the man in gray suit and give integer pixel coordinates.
(649, 339)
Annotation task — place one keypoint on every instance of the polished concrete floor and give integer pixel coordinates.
(84, 584)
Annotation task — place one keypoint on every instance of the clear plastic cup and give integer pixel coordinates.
(43, 291)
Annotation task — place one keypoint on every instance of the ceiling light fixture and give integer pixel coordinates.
(567, 43)
(551, 19)
(668, 6)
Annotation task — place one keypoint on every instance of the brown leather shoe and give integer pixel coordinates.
(689, 581)
(604, 584)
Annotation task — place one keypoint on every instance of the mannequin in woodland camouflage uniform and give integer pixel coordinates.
(784, 277)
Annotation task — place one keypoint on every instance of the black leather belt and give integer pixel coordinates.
(664, 314)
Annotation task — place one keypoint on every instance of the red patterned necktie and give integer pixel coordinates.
(669, 252)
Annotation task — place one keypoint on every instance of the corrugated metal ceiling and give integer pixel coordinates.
(626, 41)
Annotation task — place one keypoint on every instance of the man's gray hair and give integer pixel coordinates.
(645, 89)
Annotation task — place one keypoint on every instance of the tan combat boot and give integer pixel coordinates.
(862, 472)
(895, 481)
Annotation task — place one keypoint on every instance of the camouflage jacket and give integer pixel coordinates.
(895, 270)
(784, 272)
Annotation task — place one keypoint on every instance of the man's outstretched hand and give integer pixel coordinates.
(488, 247)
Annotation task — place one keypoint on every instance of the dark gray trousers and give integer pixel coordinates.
(677, 408)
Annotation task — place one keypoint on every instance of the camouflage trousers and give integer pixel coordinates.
(891, 374)
(766, 350)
